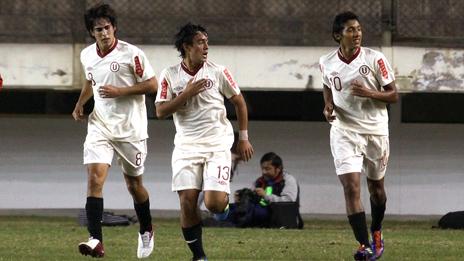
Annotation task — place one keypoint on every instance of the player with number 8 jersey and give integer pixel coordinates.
(118, 75)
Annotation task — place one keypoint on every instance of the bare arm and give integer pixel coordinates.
(244, 147)
(164, 109)
(388, 95)
(145, 87)
(86, 93)
(328, 104)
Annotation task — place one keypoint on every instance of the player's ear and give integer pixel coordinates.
(185, 46)
(337, 37)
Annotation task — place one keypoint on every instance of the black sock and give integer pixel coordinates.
(94, 211)
(359, 226)
(193, 235)
(377, 213)
(143, 215)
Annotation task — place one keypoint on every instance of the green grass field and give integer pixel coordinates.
(46, 238)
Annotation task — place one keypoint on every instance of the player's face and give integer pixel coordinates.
(103, 31)
(351, 35)
(198, 51)
(268, 170)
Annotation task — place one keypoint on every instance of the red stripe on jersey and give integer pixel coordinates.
(383, 69)
(164, 89)
(138, 67)
(230, 79)
(1, 82)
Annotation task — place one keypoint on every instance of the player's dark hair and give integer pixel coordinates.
(339, 23)
(96, 12)
(275, 160)
(185, 35)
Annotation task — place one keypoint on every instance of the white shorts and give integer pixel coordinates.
(201, 170)
(363, 153)
(130, 155)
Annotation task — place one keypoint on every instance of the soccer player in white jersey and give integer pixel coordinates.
(358, 85)
(193, 91)
(118, 75)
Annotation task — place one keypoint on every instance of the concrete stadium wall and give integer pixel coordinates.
(40, 156)
(41, 165)
(255, 68)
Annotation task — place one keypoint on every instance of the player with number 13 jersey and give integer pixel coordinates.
(201, 123)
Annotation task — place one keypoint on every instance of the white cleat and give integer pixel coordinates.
(146, 244)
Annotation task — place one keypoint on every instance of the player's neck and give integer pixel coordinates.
(348, 52)
(192, 66)
(105, 49)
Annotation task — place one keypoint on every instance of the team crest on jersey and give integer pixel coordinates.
(114, 66)
(364, 70)
(209, 84)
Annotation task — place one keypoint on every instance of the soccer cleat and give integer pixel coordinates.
(93, 247)
(377, 243)
(222, 216)
(146, 244)
(364, 253)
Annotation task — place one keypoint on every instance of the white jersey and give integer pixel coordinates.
(122, 118)
(371, 69)
(201, 123)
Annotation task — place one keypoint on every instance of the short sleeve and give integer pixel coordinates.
(227, 85)
(383, 71)
(142, 67)
(325, 79)
(164, 91)
(82, 58)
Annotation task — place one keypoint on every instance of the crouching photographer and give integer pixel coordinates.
(274, 202)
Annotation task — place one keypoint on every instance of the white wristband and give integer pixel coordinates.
(243, 135)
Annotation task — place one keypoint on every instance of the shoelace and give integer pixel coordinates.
(146, 239)
(378, 239)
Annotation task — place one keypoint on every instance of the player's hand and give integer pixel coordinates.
(245, 150)
(194, 88)
(328, 112)
(260, 192)
(78, 113)
(357, 89)
(109, 91)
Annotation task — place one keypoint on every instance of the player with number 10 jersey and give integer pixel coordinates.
(369, 68)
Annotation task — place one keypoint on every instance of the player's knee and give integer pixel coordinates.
(132, 188)
(95, 185)
(351, 189)
(378, 196)
(215, 206)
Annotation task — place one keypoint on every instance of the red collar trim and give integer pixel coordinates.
(340, 55)
(109, 51)
(184, 67)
